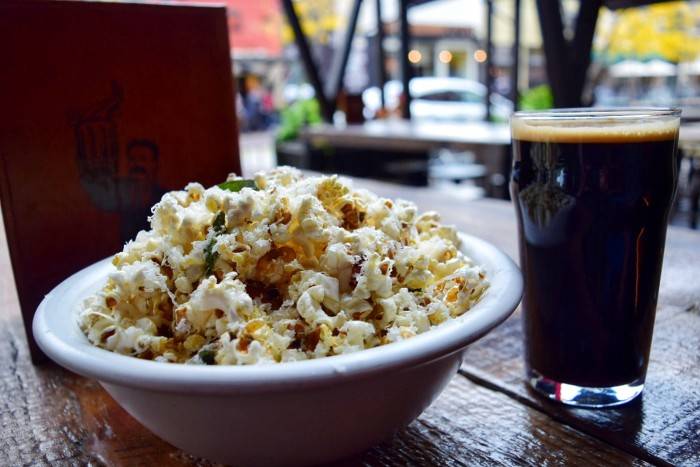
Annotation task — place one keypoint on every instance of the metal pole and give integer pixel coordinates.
(381, 57)
(489, 56)
(335, 81)
(580, 55)
(567, 63)
(555, 50)
(404, 37)
(308, 61)
(514, 94)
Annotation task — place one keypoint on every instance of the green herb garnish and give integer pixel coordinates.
(210, 256)
(219, 222)
(207, 356)
(238, 185)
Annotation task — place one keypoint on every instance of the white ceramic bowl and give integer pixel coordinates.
(294, 413)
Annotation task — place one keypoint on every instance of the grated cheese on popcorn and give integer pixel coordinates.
(289, 269)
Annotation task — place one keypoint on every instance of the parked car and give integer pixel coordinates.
(450, 99)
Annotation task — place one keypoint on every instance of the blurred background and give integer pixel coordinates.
(468, 64)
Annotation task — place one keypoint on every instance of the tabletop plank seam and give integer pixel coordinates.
(474, 375)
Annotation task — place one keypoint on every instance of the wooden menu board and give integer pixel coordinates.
(104, 107)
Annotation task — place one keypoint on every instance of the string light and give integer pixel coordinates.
(414, 56)
(445, 56)
(480, 56)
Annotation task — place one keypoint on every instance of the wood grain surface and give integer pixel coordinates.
(486, 416)
(50, 416)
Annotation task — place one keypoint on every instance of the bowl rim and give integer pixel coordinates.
(57, 333)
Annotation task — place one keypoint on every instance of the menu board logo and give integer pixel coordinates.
(124, 183)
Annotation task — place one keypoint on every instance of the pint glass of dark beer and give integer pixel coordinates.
(592, 190)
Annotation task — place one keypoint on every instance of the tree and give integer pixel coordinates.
(668, 31)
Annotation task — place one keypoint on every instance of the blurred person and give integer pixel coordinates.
(501, 82)
(241, 112)
(267, 102)
(252, 101)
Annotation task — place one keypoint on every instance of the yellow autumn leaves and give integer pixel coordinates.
(669, 31)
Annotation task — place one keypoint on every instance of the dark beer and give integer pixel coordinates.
(592, 206)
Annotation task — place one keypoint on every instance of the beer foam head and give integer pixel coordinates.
(596, 126)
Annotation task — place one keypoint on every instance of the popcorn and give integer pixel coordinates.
(300, 268)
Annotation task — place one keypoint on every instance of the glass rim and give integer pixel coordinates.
(598, 113)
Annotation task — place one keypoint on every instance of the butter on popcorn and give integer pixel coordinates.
(284, 269)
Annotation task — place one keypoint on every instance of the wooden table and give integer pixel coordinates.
(486, 415)
(417, 136)
(400, 150)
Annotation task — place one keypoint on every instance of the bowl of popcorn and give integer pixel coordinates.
(284, 320)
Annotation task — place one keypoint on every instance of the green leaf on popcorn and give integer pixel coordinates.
(219, 222)
(210, 256)
(238, 185)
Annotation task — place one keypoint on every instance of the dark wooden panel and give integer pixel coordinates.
(105, 106)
